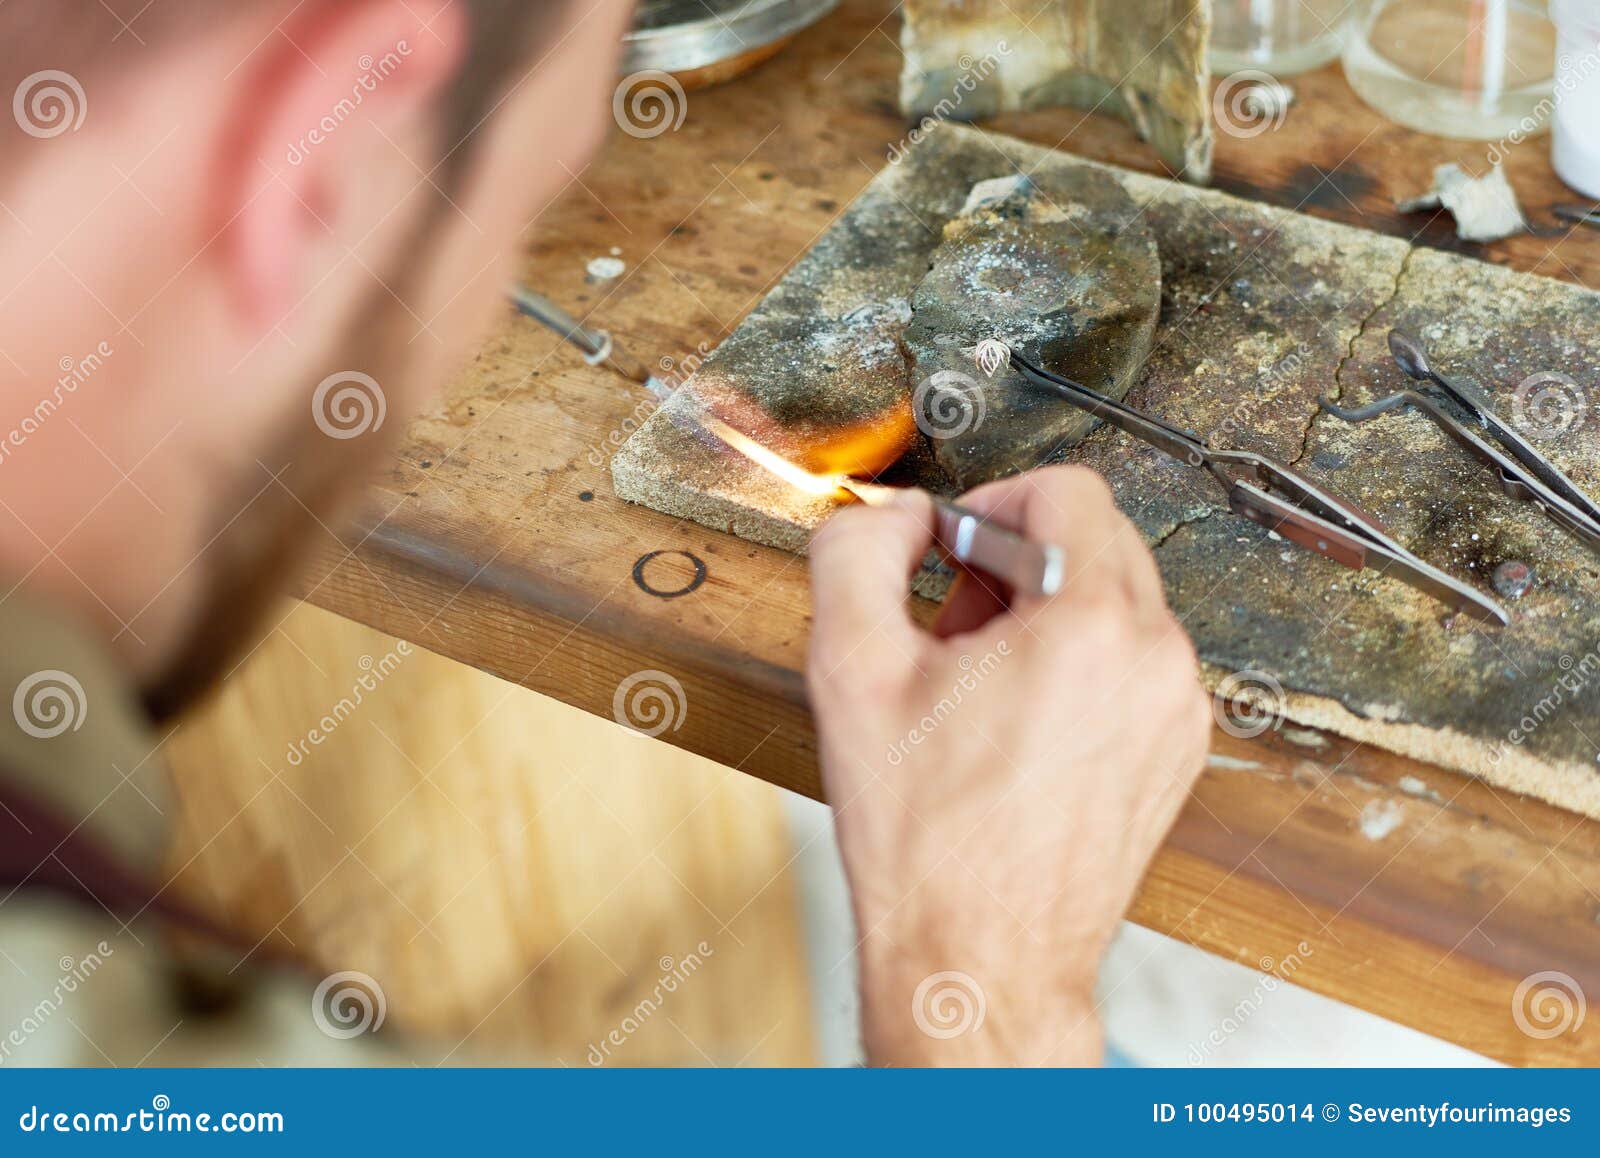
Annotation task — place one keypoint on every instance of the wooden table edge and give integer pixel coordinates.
(1384, 942)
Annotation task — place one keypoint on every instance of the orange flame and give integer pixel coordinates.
(815, 484)
(867, 448)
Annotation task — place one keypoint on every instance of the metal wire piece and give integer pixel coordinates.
(992, 356)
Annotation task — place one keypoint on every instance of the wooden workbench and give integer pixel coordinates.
(496, 540)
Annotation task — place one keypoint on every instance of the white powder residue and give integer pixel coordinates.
(1230, 763)
(993, 192)
(607, 268)
(1304, 737)
(1380, 818)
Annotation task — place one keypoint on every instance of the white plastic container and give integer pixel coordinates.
(1575, 145)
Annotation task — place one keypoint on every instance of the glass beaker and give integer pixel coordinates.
(1280, 37)
(1472, 69)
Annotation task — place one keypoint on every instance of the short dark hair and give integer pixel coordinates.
(89, 39)
(508, 40)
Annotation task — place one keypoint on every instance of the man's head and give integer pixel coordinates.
(232, 235)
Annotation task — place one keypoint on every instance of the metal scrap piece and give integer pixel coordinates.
(1146, 62)
(684, 36)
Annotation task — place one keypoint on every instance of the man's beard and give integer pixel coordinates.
(318, 480)
(252, 559)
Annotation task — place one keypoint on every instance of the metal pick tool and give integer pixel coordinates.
(1580, 214)
(596, 345)
(1026, 567)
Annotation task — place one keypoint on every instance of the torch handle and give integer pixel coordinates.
(977, 543)
(1027, 567)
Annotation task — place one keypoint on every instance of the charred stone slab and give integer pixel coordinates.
(1144, 61)
(1062, 268)
(817, 371)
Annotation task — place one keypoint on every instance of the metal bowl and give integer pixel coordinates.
(694, 36)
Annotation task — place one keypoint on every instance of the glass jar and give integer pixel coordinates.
(1470, 69)
(1280, 37)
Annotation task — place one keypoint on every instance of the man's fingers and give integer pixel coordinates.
(861, 562)
(1072, 507)
(973, 600)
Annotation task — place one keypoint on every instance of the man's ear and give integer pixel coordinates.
(298, 134)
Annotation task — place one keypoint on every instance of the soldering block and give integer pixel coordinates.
(674, 471)
(865, 343)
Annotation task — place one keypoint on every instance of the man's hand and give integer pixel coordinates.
(1001, 783)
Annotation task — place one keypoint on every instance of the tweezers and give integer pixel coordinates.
(1277, 498)
(1521, 471)
(1581, 214)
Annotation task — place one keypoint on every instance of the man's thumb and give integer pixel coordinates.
(861, 564)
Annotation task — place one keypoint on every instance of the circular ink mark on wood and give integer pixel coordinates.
(586, 496)
(696, 577)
